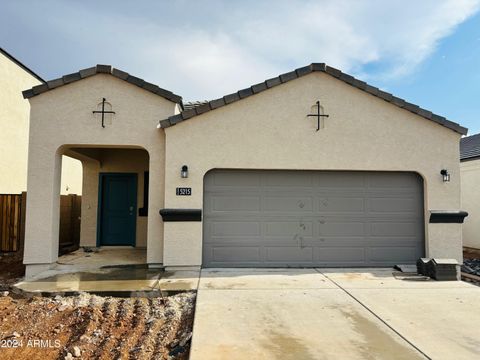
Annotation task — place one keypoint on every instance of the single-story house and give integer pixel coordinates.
(470, 185)
(310, 168)
(14, 122)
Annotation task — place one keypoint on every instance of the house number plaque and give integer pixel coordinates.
(184, 191)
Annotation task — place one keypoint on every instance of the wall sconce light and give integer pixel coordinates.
(445, 175)
(184, 172)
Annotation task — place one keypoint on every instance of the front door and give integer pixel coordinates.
(117, 209)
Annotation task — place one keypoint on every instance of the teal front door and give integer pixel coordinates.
(117, 209)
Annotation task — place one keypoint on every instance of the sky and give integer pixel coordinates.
(425, 51)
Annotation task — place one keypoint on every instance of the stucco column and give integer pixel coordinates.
(43, 209)
(88, 224)
(183, 240)
(444, 240)
(155, 203)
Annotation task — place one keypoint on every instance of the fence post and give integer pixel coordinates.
(23, 215)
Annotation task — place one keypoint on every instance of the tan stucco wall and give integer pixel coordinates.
(270, 130)
(111, 161)
(71, 177)
(470, 173)
(14, 112)
(63, 118)
(14, 125)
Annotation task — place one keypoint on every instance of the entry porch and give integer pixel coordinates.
(115, 204)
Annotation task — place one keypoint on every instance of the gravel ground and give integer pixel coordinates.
(94, 327)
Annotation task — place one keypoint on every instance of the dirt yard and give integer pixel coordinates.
(93, 327)
(11, 269)
(89, 326)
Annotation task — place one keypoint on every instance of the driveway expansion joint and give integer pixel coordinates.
(375, 315)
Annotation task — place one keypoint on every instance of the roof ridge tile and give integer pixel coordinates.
(67, 79)
(305, 70)
(101, 69)
(288, 76)
(88, 72)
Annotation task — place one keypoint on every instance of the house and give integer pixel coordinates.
(14, 122)
(310, 168)
(470, 175)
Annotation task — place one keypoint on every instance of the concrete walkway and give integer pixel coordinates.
(111, 280)
(108, 270)
(333, 314)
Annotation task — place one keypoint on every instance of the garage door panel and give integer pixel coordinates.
(341, 204)
(379, 254)
(338, 241)
(288, 228)
(393, 241)
(393, 228)
(267, 241)
(396, 181)
(393, 204)
(236, 228)
(289, 254)
(287, 203)
(232, 242)
(341, 228)
(332, 255)
(229, 179)
(312, 218)
(236, 203)
(235, 254)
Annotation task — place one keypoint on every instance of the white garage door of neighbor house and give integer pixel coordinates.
(312, 218)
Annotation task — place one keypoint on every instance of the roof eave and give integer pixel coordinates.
(102, 69)
(470, 158)
(23, 66)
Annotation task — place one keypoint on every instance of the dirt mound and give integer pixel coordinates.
(93, 327)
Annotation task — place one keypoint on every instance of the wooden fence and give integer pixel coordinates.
(70, 208)
(12, 222)
(12, 229)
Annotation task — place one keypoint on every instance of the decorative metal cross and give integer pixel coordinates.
(318, 115)
(103, 112)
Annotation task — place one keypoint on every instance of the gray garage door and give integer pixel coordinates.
(312, 218)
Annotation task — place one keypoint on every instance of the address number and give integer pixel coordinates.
(184, 191)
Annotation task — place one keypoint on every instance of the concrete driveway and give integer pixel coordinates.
(333, 314)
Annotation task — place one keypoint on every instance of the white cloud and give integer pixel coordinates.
(214, 59)
(207, 49)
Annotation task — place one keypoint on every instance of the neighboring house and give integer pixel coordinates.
(470, 174)
(259, 178)
(14, 122)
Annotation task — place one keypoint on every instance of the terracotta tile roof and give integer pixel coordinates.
(193, 104)
(315, 67)
(101, 69)
(470, 147)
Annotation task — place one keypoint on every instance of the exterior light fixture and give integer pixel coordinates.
(445, 175)
(184, 172)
